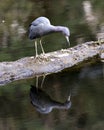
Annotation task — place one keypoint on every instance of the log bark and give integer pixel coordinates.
(52, 62)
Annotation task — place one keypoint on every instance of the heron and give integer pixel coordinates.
(44, 103)
(42, 26)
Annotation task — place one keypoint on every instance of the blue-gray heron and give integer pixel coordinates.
(42, 26)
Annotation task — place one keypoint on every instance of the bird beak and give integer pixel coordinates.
(67, 38)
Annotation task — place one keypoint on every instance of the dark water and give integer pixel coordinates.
(19, 108)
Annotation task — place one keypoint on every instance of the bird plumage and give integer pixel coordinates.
(42, 26)
(40, 20)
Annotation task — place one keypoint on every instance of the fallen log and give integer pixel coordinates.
(52, 62)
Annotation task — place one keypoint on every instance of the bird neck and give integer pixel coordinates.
(56, 28)
(59, 28)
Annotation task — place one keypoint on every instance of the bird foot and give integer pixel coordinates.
(41, 58)
(42, 55)
(38, 58)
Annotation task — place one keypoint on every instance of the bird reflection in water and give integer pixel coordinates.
(44, 103)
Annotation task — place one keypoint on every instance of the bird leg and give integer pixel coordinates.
(43, 78)
(36, 48)
(41, 47)
(37, 81)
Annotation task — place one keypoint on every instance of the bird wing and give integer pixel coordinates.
(41, 20)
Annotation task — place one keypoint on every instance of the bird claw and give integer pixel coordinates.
(43, 54)
(38, 58)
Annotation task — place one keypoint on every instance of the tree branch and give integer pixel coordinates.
(50, 62)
